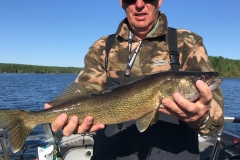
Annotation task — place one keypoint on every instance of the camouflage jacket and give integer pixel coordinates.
(153, 57)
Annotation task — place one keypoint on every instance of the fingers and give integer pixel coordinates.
(96, 127)
(183, 104)
(173, 108)
(59, 122)
(87, 126)
(71, 126)
(190, 112)
(46, 106)
(185, 110)
(205, 92)
(180, 112)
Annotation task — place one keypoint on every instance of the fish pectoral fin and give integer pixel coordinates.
(72, 91)
(143, 122)
(155, 119)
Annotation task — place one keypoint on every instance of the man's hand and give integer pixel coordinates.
(193, 113)
(72, 126)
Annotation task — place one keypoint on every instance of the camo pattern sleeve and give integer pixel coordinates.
(194, 57)
(93, 75)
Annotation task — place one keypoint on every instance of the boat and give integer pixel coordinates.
(220, 146)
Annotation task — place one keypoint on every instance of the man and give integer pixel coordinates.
(174, 136)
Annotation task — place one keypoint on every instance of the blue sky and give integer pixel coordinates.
(59, 32)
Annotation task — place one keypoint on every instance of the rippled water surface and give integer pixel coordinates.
(231, 92)
(32, 91)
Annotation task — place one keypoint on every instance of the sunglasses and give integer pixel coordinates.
(134, 1)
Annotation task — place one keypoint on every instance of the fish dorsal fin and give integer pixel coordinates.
(143, 122)
(72, 91)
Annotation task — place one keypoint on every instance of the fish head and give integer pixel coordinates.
(187, 83)
(210, 78)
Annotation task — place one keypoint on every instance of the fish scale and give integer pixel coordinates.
(138, 100)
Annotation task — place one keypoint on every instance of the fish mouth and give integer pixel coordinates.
(214, 83)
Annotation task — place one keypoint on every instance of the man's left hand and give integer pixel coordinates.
(193, 113)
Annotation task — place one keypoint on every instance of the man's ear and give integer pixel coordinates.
(123, 5)
(159, 3)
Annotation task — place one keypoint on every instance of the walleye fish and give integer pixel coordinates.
(138, 100)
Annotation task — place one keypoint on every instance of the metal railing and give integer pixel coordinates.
(216, 149)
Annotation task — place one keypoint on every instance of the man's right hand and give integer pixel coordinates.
(72, 126)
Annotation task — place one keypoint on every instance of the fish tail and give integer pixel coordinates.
(18, 126)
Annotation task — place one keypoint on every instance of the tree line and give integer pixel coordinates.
(226, 68)
(23, 68)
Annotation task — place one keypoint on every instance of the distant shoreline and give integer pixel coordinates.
(228, 68)
(34, 69)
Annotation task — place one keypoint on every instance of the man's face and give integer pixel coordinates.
(141, 15)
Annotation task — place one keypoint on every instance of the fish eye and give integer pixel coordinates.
(200, 78)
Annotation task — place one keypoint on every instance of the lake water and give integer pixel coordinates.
(32, 91)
